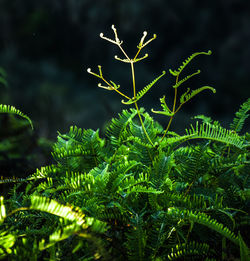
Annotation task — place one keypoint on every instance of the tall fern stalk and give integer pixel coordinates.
(111, 85)
(185, 97)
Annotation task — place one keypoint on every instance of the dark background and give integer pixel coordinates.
(46, 47)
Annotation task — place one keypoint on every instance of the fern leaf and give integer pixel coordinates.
(136, 239)
(185, 79)
(7, 241)
(166, 111)
(137, 140)
(63, 153)
(205, 220)
(244, 250)
(117, 128)
(75, 133)
(12, 110)
(67, 231)
(142, 189)
(216, 133)
(44, 172)
(204, 118)
(186, 62)
(53, 207)
(240, 116)
(141, 93)
(4, 180)
(210, 132)
(187, 96)
(162, 166)
(189, 249)
(59, 235)
(156, 236)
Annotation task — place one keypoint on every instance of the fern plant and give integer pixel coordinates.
(8, 108)
(137, 192)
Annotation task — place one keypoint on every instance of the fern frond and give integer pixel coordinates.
(122, 172)
(7, 241)
(130, 181)
(210, 132)
(189, 249)
(142, 189)
(64, 153)
(44, 172)
(185, 79)
(74, 180)
(4, 180)
(240, 116)
(186, 62)
(137, 140)
(116, 131)
(12, 110)
(55, 208)
(216, 133)
(205, 220)
(59, 235)
(204, 118)
(111, 214)
(67, 231)
(187, 96)
(244, 250)
(141, 93)
(161, 168)
(156, 235)
(75, 134)
(137, 130)
(166, 111)
(136, 240)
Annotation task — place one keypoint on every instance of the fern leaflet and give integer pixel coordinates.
(187, 96)
(186, 62)
(12, 110)
(185, 79)
(240, 116)
(141, 93)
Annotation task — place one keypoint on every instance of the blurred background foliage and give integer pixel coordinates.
(46, 47)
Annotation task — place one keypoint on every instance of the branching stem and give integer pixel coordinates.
(173, 110)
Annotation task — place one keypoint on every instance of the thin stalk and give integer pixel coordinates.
(173, 110)
(142, 124)
(137, 53)
(124, 52)
(136, 105)
(133, 77)
(115, 89)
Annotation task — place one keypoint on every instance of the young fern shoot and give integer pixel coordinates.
(136, 96)
(186, 96)
(112, 86)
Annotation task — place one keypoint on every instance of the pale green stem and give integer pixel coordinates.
(122, 94)
(136, 105)
(171, 118)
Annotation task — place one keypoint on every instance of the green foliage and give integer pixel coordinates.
(187, 96)
(241, 116)
(186, 62)
(136, 192)
(7, 108)
(12, 110)
(141, 93)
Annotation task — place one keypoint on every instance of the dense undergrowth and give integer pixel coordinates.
(137, 192)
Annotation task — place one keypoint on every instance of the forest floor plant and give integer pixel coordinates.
(142, 192)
